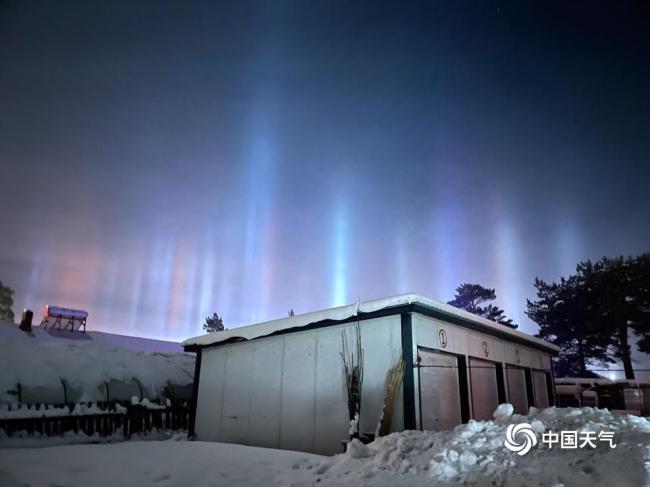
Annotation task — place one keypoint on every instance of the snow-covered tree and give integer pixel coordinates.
(472, 297)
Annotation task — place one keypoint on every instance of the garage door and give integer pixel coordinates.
(517, 389)
(439, 391)
(539, 389)
(485, 394)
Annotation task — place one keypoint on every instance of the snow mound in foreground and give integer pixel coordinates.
(474, 454)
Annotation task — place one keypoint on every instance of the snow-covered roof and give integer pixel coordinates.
(340, 313)
(51, 335)
(41, 358)
(588, 381)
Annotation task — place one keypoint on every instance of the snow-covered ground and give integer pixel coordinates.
(472, 454)
(85, 361)
(142, 463)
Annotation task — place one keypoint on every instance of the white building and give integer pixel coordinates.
(281, 384)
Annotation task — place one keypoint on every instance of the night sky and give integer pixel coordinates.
(164, 160)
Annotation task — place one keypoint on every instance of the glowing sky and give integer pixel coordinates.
(160, 161)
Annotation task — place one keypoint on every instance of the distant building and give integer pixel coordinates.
(281, 384)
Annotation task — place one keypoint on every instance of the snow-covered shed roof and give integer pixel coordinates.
(53, 337)
(85, 360)
(341, 313)
(591, 382)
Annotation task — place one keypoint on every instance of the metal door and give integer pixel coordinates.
(517, 389)
(439, 391)
(485, 393)
(539, 389)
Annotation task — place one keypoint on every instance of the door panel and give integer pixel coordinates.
(539, 389)
(517, 389)
(439, 391)
(485, 395)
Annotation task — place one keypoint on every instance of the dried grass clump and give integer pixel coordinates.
(353, 368)
(393, 384)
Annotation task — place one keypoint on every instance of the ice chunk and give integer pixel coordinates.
(356, 449)
(452, 455)
(468, 458)
(538, 426)
(503, 411)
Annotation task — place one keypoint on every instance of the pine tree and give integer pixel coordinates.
(590, 314)
(471, 297)
(563, 313)
(213, 323)
(622, 303)
(495, 313)
(638, 306)
(6, 303)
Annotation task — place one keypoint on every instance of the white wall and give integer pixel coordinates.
(288, 391)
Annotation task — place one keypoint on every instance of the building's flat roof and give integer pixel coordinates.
(9, 331)
(588, 381)
(346, 312)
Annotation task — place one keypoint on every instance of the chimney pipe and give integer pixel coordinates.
(26, 320)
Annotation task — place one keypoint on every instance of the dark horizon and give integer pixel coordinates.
(163, 160)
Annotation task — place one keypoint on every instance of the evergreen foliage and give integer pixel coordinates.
(213, 323)
(472, 297)
(591, 314)
(6, 303)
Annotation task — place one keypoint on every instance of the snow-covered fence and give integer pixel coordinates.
(48, 421)
(110, 391)
(103, 419)
(124, 409)
(623, 395)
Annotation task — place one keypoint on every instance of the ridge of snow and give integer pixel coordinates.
(137, 344)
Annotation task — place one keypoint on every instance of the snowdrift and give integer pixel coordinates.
(474, 454)
(42, 359)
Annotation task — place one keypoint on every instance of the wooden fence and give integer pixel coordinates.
(122, 419)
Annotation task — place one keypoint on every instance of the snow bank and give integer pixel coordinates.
(40, 359)
(474, 454)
